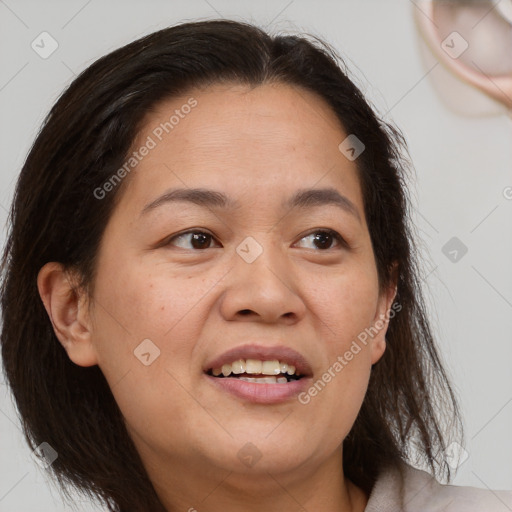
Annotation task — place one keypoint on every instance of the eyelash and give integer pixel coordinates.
(341, 241)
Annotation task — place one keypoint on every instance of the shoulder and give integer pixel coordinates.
(414, 490)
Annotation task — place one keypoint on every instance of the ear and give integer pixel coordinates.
(383, 315)
(68, 312)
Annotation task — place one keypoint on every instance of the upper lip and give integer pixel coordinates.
(263, 353)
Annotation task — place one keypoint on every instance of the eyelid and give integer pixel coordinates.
(336, 235)
(167, 240)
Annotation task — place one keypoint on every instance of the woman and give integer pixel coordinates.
(210, 296)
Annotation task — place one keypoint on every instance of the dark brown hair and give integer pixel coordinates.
(409, 406)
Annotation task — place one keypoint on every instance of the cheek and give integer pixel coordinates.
(137, 303)
(335, 397)
(135, 306)
(345, 303)
(147, 303)
(344, 306)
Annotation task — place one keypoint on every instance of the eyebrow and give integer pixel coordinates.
(302, 199)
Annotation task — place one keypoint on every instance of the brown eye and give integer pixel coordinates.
(323, 239)
(199, 240)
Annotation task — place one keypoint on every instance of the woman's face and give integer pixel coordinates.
(257, 278)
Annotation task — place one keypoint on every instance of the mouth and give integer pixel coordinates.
(260, 374)
(256, 371)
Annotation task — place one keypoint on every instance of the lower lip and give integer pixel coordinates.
(260, 393)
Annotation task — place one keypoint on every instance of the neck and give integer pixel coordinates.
(198, 487)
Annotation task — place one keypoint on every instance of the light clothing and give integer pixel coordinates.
(422, 493)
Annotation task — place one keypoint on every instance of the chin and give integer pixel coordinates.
(251, 456)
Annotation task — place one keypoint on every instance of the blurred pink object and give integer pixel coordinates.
(473, 41)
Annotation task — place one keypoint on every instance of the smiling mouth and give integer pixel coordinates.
(261, 372)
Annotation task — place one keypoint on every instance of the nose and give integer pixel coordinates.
(266, 290)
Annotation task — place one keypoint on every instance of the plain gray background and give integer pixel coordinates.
(463, 166)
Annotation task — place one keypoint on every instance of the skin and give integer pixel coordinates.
(258, 146)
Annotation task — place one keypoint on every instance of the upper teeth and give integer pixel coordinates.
(253, 366)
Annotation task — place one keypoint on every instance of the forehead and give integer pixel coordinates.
(245, 140)
(237, 110)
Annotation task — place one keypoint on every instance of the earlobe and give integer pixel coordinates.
(67, 310)
(382, 317)
(378, 348)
